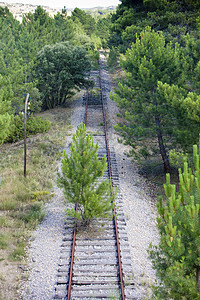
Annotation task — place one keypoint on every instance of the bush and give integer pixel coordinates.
(34, 125)
(60, 72)
(33, 214)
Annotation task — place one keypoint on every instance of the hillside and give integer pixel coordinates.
(19, 9)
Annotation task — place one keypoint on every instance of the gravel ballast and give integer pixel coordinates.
(139, 209)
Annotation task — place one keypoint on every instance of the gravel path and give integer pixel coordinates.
(44, 250)
(139, 208)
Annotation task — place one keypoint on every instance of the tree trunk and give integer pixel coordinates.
(162, 147)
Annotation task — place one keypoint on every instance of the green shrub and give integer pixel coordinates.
(177, 257)
(94, 57)
(18, 253)
(33, 214)
(177, 158)
(34, 125)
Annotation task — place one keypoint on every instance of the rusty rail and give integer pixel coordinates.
(115, 215)
(72, 260)
(115, 218)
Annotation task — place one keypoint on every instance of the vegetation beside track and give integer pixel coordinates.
(21, 200)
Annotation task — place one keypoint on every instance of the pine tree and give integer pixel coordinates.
(177, 258)
(154, 105)
(81, 178)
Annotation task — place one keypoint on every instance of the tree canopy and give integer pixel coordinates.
(61, 69)
(23, 44)
(149, 97)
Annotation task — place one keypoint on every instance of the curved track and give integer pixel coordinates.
(96, 264)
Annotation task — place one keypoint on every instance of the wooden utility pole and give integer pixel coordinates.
(25, 118)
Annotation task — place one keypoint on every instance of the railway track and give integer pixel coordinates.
(95, 263)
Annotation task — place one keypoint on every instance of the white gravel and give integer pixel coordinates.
(44, 250)
(139, 209)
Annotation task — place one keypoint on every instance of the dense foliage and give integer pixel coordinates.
(159, 95)
(177, 257)
(34, 125)
(80, 176)
(24, 48)
(154, 102)
(61, 70)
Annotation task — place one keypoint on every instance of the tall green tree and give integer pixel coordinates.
(80, 178)
(60, 70)
(87, 21)
(177, 257)
(149, 108)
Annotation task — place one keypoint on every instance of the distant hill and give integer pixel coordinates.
(19, 9)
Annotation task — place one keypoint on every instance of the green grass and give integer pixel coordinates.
(18, 253)
(3, 241)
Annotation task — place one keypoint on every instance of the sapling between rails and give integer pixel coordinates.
(80, 176)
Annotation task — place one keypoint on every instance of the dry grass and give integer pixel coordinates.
(22, 199)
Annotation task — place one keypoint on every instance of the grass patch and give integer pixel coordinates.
(2, 221)
(31, 214)
(3, 241)
(18, 253)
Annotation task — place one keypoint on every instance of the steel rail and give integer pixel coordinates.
(72, 259)
(114, 210)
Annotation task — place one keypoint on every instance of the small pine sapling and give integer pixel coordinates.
(81, 178)
(177, 257)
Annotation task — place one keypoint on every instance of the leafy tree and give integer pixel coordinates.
(177, 257)
(131, 3)
(145, 109)
(80, 178)
(185, 4)
(61, 70)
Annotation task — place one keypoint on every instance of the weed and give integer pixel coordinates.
(8, 205)
(18, 253)
(3, 241)
(39, 195)
(32, 214)
(2, 221)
